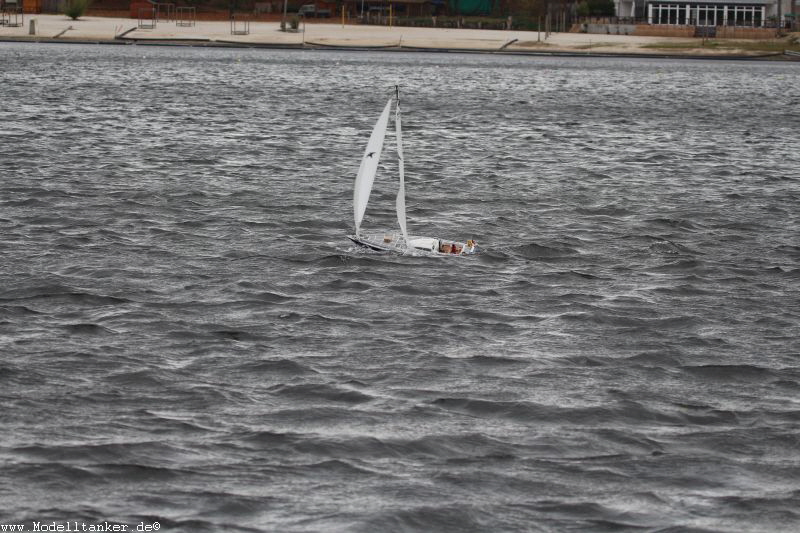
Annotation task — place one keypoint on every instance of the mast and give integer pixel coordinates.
(400, 202)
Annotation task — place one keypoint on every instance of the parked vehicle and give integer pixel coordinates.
(311, 10)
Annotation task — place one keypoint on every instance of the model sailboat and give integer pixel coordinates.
(393, 242)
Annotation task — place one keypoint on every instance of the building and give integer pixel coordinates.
(742, 13)
(376, 9)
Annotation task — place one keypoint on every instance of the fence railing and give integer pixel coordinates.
(11, 15)
(147, 18)
(185, 16)
(240, 24)
(770, 22)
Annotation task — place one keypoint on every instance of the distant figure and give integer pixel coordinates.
(445, 248)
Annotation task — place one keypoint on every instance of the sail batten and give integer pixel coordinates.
(369, 166)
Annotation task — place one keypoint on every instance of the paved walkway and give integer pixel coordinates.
(268, 33)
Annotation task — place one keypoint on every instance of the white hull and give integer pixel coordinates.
(392, 242)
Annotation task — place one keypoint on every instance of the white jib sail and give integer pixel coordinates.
(400, 203)
(369, 166)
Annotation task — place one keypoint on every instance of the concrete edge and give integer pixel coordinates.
(199, 42)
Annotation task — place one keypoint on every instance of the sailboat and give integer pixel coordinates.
(394, 242)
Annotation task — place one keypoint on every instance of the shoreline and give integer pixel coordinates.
(334, 48)
(311, 47)
(51, 29)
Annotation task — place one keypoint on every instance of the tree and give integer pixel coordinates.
(601, 8)
(76, 8)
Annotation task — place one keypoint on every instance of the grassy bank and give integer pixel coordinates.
(791, 42)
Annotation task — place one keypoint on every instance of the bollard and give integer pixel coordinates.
(32, 27)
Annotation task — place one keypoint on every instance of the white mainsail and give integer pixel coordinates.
(369, 166)
(400, 203)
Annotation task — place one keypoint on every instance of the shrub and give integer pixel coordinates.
(76, 8)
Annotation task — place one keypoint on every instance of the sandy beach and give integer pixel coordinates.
(316, 35)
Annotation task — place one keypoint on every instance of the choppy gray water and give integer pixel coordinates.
(187, 336)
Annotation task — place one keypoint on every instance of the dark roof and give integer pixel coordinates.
(715, 2)
(387, 2)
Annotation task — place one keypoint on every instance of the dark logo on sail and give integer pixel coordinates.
(370, 154)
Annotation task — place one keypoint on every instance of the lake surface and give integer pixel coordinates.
(188, 337)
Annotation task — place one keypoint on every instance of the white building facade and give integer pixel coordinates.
(745, 13)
